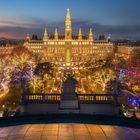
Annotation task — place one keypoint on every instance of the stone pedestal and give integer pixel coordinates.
(69, 99)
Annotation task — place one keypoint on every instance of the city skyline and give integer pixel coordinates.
(118, 18)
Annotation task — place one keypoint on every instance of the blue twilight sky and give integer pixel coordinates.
(120, 18)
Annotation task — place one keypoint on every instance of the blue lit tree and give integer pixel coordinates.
(135, 102)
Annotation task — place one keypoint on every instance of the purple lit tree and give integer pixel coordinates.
(135, 102)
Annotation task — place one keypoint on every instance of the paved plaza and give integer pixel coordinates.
(68, 131)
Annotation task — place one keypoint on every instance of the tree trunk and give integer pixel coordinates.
(103, 87)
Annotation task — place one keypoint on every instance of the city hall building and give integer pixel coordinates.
(69, 49)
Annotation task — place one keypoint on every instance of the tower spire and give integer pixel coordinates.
(56, 34)
(90, 35)
(28, 37)
(45, 37)
(68, 28)
(68, 14)
(80, 34)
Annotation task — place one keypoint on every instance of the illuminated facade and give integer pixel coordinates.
(6, 50)
(67, 49)
(128, 50)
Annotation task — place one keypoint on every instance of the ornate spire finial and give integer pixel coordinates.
(90, 35)
(68, 9)
(68, 12)
(109, 38)
(80, 34)
(45, 32)
(45, 37)
(68, 17)
(56, 34)
(27, 37)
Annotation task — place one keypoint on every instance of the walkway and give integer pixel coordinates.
(68, 131)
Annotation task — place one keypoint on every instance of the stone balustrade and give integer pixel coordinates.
(83, 98)
(96, 98)
(52, 98)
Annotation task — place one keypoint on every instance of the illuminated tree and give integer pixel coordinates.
(20, 64)
(39, 81)
(102, 77)
(6, 69)
(21, 57)
(34, 84)
(24, 63)
(43, 68)
(21, 73)
(134, 59)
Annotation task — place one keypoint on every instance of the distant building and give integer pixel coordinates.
(128, 50)
(7, 45)
(6, 50)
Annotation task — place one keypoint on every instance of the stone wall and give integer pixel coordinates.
(45, 108)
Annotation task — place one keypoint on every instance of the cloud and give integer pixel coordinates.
(6, 23)
(119, 32)
(32, 25)
(11, 35)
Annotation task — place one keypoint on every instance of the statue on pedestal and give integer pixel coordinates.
(20, 108)
(69, 98)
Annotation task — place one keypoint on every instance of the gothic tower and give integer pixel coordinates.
(68, 28)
